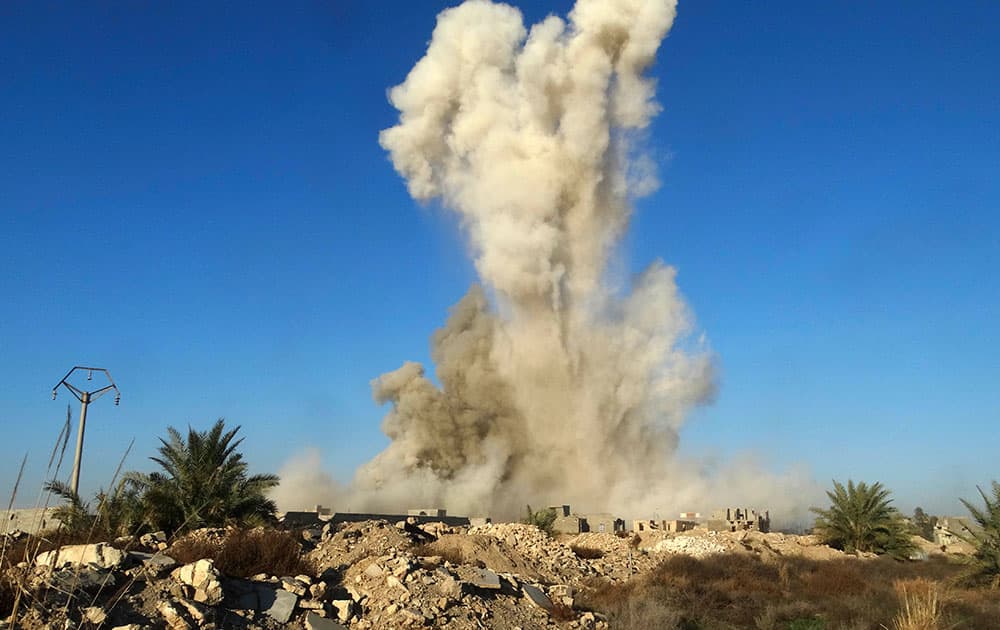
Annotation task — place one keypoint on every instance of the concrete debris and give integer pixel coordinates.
(202, 581)
(344, 608)
(537, 597)
(372, 575)
(315, 622)
(486, 579)
(99, 555)
(172, 616)
(283, 607)
(155, 563)
(687, 545)
(156, 540)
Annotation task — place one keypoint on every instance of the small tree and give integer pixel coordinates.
(204, 482)
(923, 524)
(860, 518)
(542, 519)
(118, 513)
(986, 559)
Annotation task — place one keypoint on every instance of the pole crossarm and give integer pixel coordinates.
(85, 398)
(81, 394)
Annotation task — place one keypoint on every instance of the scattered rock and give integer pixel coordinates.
(344, 608)
(95, 615)
(173, 617)
(202, 578)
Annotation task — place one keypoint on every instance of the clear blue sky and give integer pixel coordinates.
(193, 196)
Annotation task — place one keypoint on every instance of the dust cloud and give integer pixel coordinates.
(557, 383)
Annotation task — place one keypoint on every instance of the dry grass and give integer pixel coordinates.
(921, 605)
(741, 590)
(244, 553)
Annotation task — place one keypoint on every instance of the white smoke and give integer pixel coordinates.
(555, 386)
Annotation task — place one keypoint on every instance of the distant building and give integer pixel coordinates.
(647, 525)
(603, 523)
(951, 530)
(29, 520)
(569, 523)
(437, 512)
(356, 517)
(739, 519)
(674, 526)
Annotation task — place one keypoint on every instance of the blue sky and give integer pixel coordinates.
(193, 196)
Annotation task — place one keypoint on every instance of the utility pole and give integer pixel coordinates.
(85, 399)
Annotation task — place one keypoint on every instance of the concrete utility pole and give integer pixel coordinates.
(85, 399)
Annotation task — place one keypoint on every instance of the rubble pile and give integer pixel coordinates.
(688, 545)
(353, 542)
(366, 575)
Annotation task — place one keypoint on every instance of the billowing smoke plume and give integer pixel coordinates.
(555, 385)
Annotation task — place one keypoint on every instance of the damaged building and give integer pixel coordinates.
(567, 522)
(952, 530)
(673, 526)
(739, 519)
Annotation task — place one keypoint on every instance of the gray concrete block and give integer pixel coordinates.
(283, 607)
(537, 597)
(315, 622)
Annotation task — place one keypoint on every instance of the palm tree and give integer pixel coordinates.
(986, 540)
(74, 515)
(860, 518)
(204, 482)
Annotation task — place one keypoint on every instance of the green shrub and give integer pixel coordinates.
(542, 519)
(986, 559)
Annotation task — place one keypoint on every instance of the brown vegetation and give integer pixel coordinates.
(730, 590)
(587, 553)
(245, 553)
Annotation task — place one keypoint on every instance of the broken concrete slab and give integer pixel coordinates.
(157, 563)
(537, 597)
(486, 579)
(100, 555)
(315, 622)
(283, 606)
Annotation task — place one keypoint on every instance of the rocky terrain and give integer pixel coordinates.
(372, 574)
